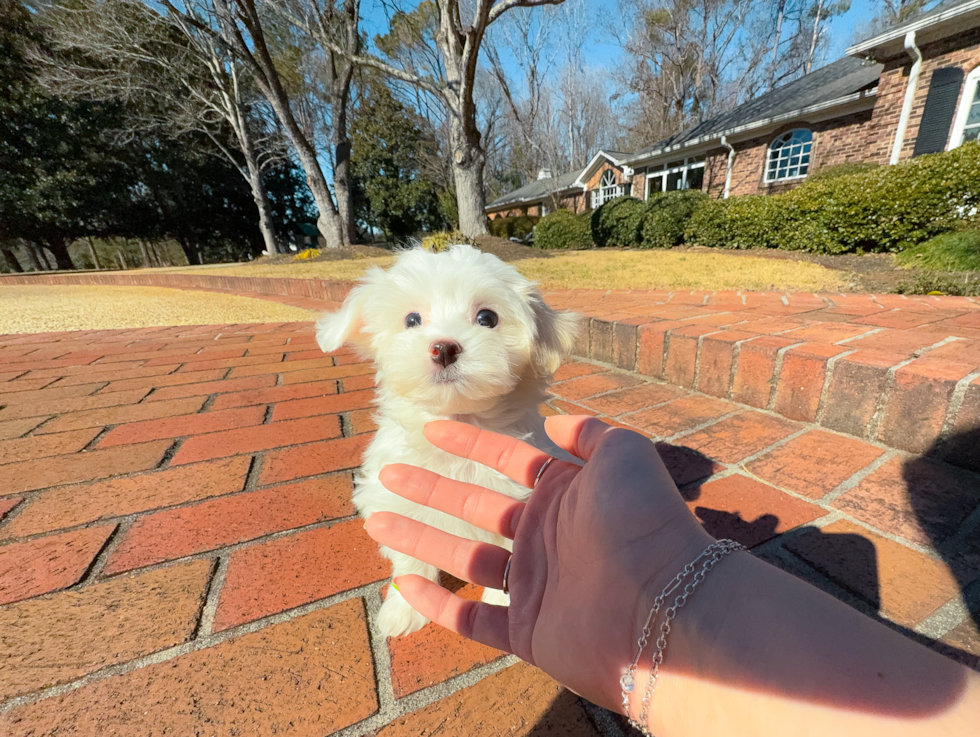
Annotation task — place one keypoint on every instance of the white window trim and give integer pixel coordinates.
(688, 165)
(765, 174)
(967, 94)
(605, 192)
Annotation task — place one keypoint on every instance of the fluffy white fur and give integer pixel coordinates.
(497, 382)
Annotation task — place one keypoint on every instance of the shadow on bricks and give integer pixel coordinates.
(946, 504)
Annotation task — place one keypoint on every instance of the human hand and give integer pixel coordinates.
(593, 546)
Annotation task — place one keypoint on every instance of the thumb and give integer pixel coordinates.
(577, 434)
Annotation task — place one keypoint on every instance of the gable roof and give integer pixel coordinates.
(536, 190)
(617, 158)
(946, 19)
(844, 81)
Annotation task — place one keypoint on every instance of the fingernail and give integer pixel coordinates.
(395, 587)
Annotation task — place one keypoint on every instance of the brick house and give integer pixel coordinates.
(910, 90)
(604, 178)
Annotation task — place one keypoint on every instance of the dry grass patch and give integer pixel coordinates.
(600, 270)
(41, 309)
(678, 270)
(342, 270)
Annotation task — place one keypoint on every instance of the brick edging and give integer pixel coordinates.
(910, 407)
(888, 402)
(325, 289)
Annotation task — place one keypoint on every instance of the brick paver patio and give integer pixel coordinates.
(179, 555)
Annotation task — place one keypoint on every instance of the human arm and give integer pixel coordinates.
(754, 651)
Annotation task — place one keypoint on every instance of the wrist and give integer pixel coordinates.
(684, 611)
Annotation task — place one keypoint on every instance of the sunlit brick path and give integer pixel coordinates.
(179, 555)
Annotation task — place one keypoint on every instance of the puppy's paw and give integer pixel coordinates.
(396, 616)
(496, 597)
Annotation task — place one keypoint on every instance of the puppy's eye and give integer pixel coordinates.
(413, 320)
(486, 318)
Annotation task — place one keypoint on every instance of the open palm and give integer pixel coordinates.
(593, 546)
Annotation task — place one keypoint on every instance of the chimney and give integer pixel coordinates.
(544, 174)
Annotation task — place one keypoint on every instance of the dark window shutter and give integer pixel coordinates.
(937, 117)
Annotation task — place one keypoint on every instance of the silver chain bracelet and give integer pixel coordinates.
(716, 551)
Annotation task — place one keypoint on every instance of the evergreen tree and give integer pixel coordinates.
(390, 193)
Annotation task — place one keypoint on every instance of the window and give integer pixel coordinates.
(967, 125)
(608, 189)
(789, 155)
(682, 174)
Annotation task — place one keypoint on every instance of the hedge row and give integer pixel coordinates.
(624, 222)
(519, 226)
(884, 209)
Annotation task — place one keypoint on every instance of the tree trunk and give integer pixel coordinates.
(468, 161)
(12, 263)
(328, 221)
(266, 224)
(259, 192)
(95, 256)
(341, 148)
(144, 254)
(59, 249)
(34, 258)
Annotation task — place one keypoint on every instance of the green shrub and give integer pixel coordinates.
(958, 251)
(884, 209)
(564, 229)
(965, 286)
(840, 170)
(617, 222)
(750, 221)
(666, 215)
(519, 226)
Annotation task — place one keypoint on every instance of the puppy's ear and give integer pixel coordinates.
(556, 332)
(334, 329)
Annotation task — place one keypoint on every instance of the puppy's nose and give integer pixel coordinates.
(445, 352)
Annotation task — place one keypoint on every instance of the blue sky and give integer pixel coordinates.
(841, 29)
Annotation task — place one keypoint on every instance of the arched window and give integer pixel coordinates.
(608, 178)
(789, 155)
(967, 124)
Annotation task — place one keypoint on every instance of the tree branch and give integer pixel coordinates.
(500, 9)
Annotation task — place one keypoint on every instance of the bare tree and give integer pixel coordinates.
(452, 79)
(328, 24)
(124, 49)
(692, 59)
(239, 25)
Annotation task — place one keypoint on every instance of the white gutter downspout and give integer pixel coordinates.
(731, 161)
(903, 121)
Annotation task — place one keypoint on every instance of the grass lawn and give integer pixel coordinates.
(39, 309)
(603, 270)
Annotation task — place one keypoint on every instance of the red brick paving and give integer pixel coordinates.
(113, 549)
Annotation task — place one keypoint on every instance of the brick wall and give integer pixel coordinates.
(961, 51)
(836, 141)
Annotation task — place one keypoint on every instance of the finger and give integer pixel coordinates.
(484, 623)
(479, 563)
(578, 434)
(513, 458)
(486, 509)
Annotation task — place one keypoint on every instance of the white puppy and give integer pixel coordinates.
(458, 335)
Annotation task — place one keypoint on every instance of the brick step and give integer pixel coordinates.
(917, 391)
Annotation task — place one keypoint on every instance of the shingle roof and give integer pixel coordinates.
(832, 82)
(947, 18)
(537, 190)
